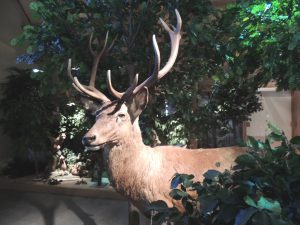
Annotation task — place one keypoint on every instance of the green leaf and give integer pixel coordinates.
(261, 145)
(275, 137)
(14, 42)
(175, 194)
(264, 203)
(273, 128)
(35, 6)
(158, 206)
(244, 216)
(258, 8)
(295, 140)
(246, 160)
(249, 201)
(211, 174)
(215, 78)
(245, 19)
(188, 207)
(252, 142)
(187, 183)
(218, 164)
(29, 49)
(176, 180)
(269, 204)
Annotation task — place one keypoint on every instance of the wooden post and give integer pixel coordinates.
(134, 215)
(295, 113)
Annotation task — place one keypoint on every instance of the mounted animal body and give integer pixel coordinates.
(141, 173)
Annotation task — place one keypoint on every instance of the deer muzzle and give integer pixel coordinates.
(88, 142)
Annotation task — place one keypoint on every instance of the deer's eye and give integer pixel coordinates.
(121, 115)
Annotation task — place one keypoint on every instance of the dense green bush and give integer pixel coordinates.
(262, 188)
(264, 35)
(33, 121)
(24, 110)
(27, 118)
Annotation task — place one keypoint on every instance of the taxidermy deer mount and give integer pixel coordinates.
(141, 173)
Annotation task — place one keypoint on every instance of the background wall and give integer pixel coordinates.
(12, 18)
(276, 109)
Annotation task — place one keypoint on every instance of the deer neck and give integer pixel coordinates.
(125, 164)
(128, 145)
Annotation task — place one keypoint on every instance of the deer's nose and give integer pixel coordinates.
(88, 140)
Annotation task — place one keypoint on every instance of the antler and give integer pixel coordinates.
(90, 90)
(157, 73)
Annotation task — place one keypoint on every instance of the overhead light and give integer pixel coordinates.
(35, 70)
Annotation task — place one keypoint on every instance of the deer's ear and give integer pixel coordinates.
(137, 103)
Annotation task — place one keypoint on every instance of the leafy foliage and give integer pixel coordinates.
(64, 32)
(263, 188)
(33, 121)
(23, 110)
(264, 35)
(74, 122)
(83, 163)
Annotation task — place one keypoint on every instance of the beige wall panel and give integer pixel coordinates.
(276, 109)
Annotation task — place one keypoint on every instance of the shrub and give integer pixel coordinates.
(262, 188)
(27, 118)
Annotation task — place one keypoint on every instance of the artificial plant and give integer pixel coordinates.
(27, 118)
(263, 36)
(262, 188)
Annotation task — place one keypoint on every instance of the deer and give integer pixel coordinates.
(139, 172)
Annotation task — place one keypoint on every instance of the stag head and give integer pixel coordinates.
(117, 120)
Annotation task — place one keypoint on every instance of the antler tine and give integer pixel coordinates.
(121, 95)
(132, 87)
(96, 59)
(112, 44)
(72, 78)
(175, 39)
(90, 90)
(83, 89)
(154, 76)
(113, 91)
(90, 45)
(156, 73)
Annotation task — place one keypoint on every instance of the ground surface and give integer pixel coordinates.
(23, 208)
